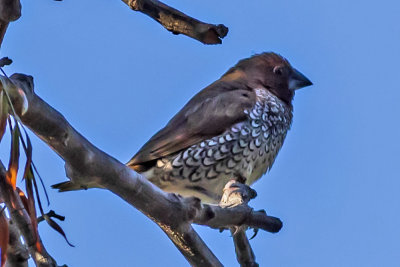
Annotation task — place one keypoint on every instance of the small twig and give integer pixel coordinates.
(217, 217)
(51, 214)
(177, 22)
(5, 61)
(244, 252)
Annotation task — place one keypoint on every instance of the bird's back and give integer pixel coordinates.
(232, 129)
(246, 151)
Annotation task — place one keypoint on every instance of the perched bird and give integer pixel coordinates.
(232, 129)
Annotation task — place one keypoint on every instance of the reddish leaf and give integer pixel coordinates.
(56, 227)
(4, 236)
(30, 164)
(28, 152)
(38, 246)
(24, 199)
(3, 114)
(29, 205)
(39, 202)
(14, 158)
(41, 181)
(31, 201)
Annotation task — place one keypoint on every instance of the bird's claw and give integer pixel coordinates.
(255, 232)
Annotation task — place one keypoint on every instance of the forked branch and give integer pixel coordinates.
(179, 23)
(85, 164)
(21, 219)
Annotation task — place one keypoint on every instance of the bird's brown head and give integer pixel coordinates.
(270, 71)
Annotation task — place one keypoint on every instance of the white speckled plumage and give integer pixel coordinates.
(247, 150)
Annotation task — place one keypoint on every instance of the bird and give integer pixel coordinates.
(232, 129)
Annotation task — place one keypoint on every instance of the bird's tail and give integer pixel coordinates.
(141, 167)
(70, 186)
(137, 168)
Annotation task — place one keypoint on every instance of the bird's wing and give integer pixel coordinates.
(209, 113)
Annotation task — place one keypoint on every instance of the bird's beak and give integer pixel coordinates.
(297, 80)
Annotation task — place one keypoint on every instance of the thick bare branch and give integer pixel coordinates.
(3, 29)
(10, 10)
(177, 22)
(17, 253)
(22, 220)
(86, 164)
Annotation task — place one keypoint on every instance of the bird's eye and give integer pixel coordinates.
(278, 70)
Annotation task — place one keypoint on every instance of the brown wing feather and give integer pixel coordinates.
(209, 113)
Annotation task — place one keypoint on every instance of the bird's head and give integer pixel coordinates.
(270, 71)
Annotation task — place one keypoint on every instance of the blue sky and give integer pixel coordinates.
(118, 77)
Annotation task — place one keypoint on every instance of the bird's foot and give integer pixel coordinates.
(236, 193)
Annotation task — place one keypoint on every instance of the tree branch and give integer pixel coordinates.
(177, 22)
(22, 220)
(239, 194)
(244, 253)
(17, 253)
(10, 10)
(218, 217)
(86, 166)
